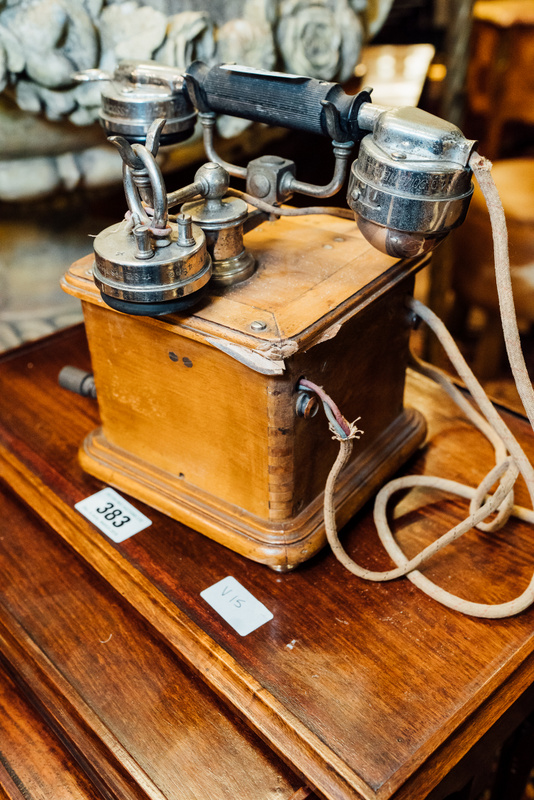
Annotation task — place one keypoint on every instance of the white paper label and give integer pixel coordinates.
(236, 605)
(113, 515)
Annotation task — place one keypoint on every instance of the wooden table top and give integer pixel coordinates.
(366, 690)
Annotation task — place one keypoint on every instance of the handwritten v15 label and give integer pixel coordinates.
(236, 605)
(113, 515)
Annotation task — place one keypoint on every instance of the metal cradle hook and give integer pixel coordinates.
(142, 178)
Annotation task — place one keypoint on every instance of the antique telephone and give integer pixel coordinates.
(212, 332)
(409, 186)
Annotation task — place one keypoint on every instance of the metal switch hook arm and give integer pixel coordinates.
(136, 174)
(208, 123)
(342, 151)
(207, 119)
(153, 136)
(141, 171)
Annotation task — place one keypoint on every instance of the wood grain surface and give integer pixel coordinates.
(309, 268)
(140, 723)
(217, 446)
(368, 690)
(191, 429)
(34, 764)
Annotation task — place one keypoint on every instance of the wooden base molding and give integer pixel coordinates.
(199, 413)
(280, 545)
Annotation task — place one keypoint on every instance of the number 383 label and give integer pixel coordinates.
(113, 515)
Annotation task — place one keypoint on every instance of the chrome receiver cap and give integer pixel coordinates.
(411, 183)
(141, 279)
(137, 93)
(148, 265)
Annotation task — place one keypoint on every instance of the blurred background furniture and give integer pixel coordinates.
(500, 114)
(473, 276)
(500, 76)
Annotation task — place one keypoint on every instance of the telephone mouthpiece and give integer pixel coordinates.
(411, 183)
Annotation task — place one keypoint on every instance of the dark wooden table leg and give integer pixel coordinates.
(516, 763)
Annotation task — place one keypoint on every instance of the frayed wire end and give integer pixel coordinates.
(353, 431)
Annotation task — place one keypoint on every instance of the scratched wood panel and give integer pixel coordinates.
(182, 741)
(34, 765)
(384, 677)
(308, 267)
(166, 400)
(216, 445)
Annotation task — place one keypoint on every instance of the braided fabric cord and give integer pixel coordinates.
(509, 456)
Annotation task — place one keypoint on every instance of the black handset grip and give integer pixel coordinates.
(290, 101)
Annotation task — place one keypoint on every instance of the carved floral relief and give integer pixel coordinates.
(43, 42)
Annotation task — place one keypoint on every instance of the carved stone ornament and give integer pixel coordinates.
(43, 42)
(319, 39)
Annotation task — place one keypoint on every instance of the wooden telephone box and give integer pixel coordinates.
(199, 411)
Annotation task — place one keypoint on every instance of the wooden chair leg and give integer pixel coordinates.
(462, 794)
(515, 765)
